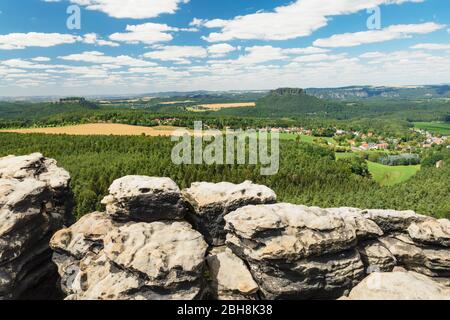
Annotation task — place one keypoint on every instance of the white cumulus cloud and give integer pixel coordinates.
(34, 39)
(298, 19)
(93, 38)
(180, 54)
(100, 58)
(148, 33)
(400, 31)
(432, 46)
(134, 9)
(220, 50)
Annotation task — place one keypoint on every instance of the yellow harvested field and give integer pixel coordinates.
(176, 102)
(106, 129)
(218, 106)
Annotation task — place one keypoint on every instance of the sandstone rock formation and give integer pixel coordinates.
(114, 255)
(296, 252)
(35, 201)
(432, 261)
(365, 228)
(399, 286)
(142, 248)
(376, 257)
(212, 201)
(431, 232)
(393, 221)
(230, 277)
(144, 199)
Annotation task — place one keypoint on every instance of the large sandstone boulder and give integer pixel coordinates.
(211, 202)
(146, 199)
(168, 254)
(99, 258)
(399, 286)
(35, 201)
(296, 252)
(230, 277)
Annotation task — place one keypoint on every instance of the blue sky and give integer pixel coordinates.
(143, 46)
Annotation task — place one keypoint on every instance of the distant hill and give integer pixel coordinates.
(337, 104)
(30, 111)
(368, 92)
(291, 101)
(287, 102)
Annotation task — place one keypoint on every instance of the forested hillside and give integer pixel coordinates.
(308, 174)
(35, 111)
(297, 103)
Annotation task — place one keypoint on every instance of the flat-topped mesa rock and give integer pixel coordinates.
(211, 202)
(147, 199)
(116, 256)
(296, 252)
(35, 201)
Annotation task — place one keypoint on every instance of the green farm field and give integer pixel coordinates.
(434, 127)
(392, 175)
(386, 175)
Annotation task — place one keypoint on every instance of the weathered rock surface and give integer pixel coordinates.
(376, 257)
(100, 258)
(166, 253)
(296, 252)
(35, 201)
(394, 221)
(431, 232)
(399, 286)
(432, 261)
(146, 199)
(289, 232)
(212, 201)
(365, 228)
(230, 277)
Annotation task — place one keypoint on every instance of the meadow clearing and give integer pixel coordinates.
(434, 127)
(392, 175)
(386, 175)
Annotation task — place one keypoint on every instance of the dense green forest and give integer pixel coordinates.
(309, 174)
